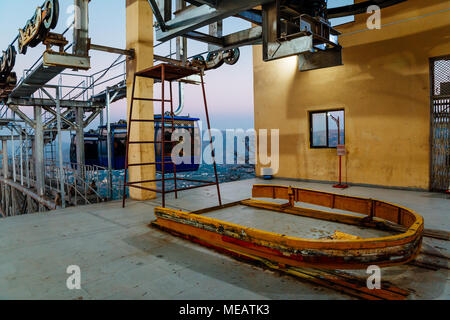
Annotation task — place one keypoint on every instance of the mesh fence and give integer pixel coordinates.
(440, 159)
(442, 77)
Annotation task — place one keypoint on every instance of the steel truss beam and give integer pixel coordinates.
(50, 103)
(241, 38)
(40, 199)
(71, 125)
(203, 37)
(203, 15)
(22, 115)
(54, 119)
(157, 13)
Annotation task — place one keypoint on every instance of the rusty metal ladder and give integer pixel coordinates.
(165, 72)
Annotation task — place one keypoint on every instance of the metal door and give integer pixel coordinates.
(440, 123)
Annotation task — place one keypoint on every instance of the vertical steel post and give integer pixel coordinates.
(172, 144)
(27, 158)
(5, 159)
(81, 28)
(102, 121)
(80, 141)
(21, 156)
(5, 189)
(163, 136)
(108, 141)
(210, 138)
(60, 153)
(128, 142)
(181, 42)
(5, 175)
(13, 153)
(215, 30)
(39, 151)
(81, 47)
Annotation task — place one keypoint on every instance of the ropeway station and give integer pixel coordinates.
(57, 94)
(363, 167)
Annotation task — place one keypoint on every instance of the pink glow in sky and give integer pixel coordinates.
(229, 88)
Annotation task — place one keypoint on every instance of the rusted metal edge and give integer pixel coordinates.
(48, 204)
(293, 251)
(330, 258)
(338, 281)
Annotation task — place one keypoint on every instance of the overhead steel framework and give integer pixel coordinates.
(283, 27)
(56, 107)
(48, 100)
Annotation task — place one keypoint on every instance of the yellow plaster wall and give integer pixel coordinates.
(139, 19)
(384, 88)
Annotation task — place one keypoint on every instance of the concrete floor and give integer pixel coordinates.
(122, 258)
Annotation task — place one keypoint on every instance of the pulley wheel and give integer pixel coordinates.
(51, 8)
(11, 57)
(234, 56)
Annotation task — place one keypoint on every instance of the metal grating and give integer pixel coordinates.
(440, 123)
(441, 77)
(35, 80)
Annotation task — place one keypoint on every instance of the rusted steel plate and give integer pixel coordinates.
(339, 281)
(299, 252)
(381, 209)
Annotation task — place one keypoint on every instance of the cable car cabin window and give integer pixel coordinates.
(120, 144)
(324, 128)
(90, 149)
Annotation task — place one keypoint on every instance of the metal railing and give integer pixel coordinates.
(83, 184)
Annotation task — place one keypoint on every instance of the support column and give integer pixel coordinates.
(216, 30)
(21, 156)
(81, 28)
(140, 38)
(5, 158)
(80, 140)
(108, 141)
(39, 151)
(60, 152)
(5, 202)
(181, 42)
(13, 155)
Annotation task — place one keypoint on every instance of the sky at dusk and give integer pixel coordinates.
(229, 88)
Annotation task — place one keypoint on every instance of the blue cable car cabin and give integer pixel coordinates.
(184, 123)
(90, 149)
(118, 145)
(96, 150)
(118, 139)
